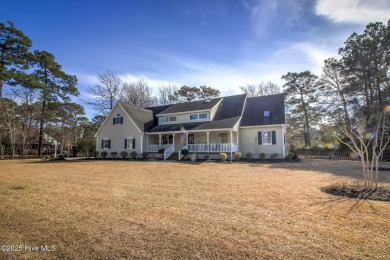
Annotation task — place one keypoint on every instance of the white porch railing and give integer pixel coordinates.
(169, 151)
(180, 155)
(153, 148)
(210, 148)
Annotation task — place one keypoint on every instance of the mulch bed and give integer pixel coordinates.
(358, 191)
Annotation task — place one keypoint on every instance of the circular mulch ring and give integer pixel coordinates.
(358, 192)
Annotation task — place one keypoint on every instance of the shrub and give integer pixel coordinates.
(161, 150)
(96, 154)
(113, 154)
(290, 155)
(275, 156)
(262, 156)
(207, 156)
(184, 152)
(104, 154)
(133, 154)
(145, 155)
(223, 156)
(124, 154)
(237, 156)
(249, 155)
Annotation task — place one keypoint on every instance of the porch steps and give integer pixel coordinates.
(174, 156)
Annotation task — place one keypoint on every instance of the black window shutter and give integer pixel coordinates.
(109, 144)
(133, 143)
(102, 144)
(122, 120)
(113, 121)
(125, 143)
(260, 137)
(273, 137)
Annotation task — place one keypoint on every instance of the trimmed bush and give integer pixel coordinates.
(223, 156)
(145, 155)
(275, 156)
(207, 156)
(124, 154)
(161, 150)
(96, 154)
(104, 154)
(113, 154)
(249, 156)
(262, 156)
(237, 156)
(184, 152)
(290, 155)
(133, 154)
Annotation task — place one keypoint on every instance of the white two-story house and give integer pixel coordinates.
(223, 124)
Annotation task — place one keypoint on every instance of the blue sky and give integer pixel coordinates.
(220, 43)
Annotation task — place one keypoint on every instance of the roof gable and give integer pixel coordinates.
(142, 118)
(255, 107)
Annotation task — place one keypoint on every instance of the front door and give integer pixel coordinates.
(167, 139)
(191, 138)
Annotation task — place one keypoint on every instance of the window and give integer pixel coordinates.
(223, 138)
(106, 144)
(266, 137)
(118, 119)
(203, 116)
(198, 116)
(164, 119)
(172, 118)
(130, 143)
(267, 113)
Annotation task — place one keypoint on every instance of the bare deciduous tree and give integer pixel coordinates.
(263, 89)
(105, 94)
(168, 94)
(137, 94)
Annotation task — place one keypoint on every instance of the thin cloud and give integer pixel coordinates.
(352, 11)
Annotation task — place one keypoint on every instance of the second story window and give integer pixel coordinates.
(164, 119)
(198, 116)
(172, 119)
(118, 119)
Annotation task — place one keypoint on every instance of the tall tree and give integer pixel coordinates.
(187, 93)
(301, 94)
(53, 85)
(263, 89)
(105, 94)
(14, 46)
(208, 92)
(137, 94)
(167, 94)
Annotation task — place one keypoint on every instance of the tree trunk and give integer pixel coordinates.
(1, 88)
(41, 123)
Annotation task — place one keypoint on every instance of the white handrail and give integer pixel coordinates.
(168, 152)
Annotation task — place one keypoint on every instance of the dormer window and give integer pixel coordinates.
(118, 119)
(164, 119)
(267, 113)
(198, 116)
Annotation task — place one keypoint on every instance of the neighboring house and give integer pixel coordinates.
(223, 124)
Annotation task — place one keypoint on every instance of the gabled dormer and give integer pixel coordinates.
(190, 112)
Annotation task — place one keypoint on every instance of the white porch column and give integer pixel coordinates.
(173, 142)
(283, 141)
(159, 140)
(147, 142)
(208, 141)
(142, 143)
(231, 145)
(186, 138)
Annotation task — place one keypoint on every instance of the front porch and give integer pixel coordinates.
(194, 142)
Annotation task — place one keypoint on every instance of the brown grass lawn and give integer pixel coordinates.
(170, 210)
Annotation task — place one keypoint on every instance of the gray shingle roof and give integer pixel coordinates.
(142, 117)
(255, 107)
(227, 115)
(191, 106)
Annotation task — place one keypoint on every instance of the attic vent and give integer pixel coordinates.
(206, 101)
(267, 113)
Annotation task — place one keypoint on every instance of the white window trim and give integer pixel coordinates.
(129, 141)
(269, 136)
(104, 143)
